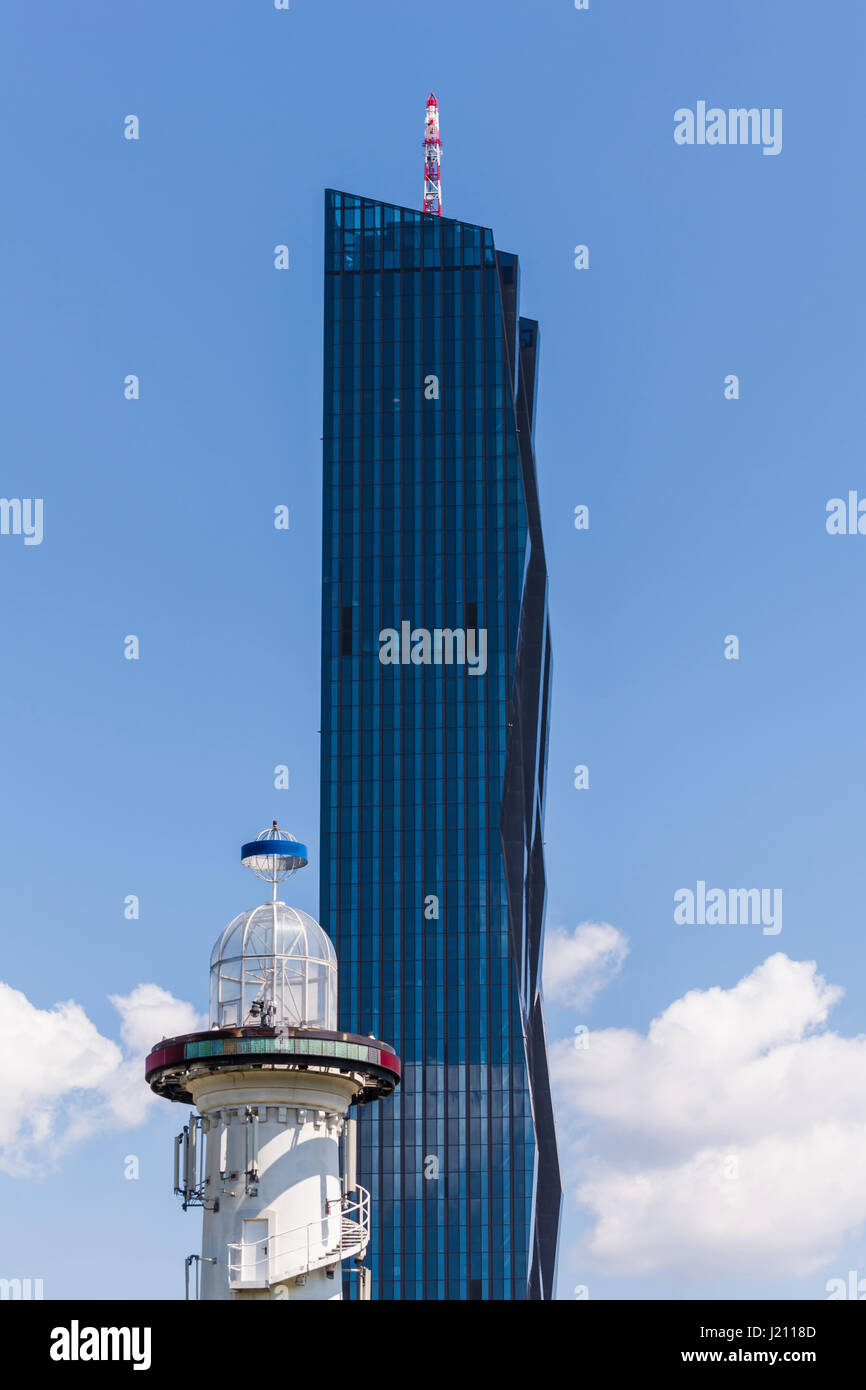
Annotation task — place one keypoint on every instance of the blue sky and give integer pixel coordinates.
(155, 257)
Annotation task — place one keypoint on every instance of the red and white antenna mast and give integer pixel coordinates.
(432, 159)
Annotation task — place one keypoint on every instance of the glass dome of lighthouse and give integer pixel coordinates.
(273, 966)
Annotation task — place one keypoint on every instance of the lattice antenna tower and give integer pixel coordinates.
(432, 159)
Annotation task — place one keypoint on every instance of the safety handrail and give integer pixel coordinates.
(276, 1252)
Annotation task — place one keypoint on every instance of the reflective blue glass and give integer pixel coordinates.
(435, 685)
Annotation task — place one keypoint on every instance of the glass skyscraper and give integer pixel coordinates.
(435, 697)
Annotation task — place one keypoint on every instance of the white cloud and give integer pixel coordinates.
(150, 1013)
(60, 1078)
(744, 1081)
(578, 963)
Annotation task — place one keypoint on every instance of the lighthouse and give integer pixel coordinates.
(269, 1150)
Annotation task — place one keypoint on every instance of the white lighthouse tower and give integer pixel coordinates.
(269, 1152)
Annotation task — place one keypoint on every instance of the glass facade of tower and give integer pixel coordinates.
(435, 695)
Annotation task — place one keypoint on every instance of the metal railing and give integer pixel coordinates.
(339, 1234)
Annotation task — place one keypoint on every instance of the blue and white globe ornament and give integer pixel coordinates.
(274, 855)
